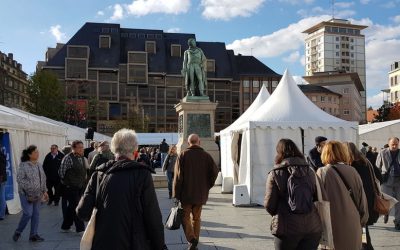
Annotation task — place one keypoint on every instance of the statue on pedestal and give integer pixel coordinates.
(194, 69)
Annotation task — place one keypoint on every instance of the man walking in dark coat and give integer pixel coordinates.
(128, 215)
(164, 148)
(51, 165)
(314, 156)
(194, 175)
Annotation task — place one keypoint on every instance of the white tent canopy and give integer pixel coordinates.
(288, 113)
(26, 129)
(377, 134)
(228, 140)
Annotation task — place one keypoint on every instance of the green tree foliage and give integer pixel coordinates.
(46, 95)
(383, 113)
(138, 120)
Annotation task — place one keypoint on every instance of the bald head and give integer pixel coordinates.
(193, 139)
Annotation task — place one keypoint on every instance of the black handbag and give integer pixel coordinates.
(174, 219)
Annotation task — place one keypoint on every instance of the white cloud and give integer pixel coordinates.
(280, 42)
(396, 19)
(173, 30)
(296, 2)
(145, 7)
(382, 48)
(303, 60)
(228, 9)
(375, 101)
(344, 5)
(391, 4)
(316, 11)
(100, 13)
(56, 32)
(118, 12)
(365, 1)
(293, 57)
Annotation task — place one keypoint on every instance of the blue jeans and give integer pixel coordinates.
(30, 213)
(163, 157)
(2, 200)
(170, 177)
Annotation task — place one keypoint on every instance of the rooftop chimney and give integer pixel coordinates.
(10, 56)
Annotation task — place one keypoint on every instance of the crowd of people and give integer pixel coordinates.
(115, 178)
(349, 179)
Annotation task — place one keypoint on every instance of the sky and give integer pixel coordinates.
(269, 30)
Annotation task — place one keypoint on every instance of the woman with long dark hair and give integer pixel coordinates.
(366, 171)
(295, 222)
(32, 191)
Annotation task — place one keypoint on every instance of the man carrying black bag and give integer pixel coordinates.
(388, 161)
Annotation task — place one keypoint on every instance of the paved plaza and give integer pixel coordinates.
(224, 227)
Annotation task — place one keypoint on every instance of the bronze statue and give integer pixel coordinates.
(194, 69)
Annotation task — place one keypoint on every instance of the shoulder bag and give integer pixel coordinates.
(88, 235)
(324, 212)
(381, 205)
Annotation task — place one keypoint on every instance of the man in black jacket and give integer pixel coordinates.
(164, 148)
(128, 215)
(51, 165)
(314, 156)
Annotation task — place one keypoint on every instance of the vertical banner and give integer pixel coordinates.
(6, 148)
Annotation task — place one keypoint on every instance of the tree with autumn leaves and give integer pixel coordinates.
(388, 112)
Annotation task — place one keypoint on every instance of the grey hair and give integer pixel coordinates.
(124, 142)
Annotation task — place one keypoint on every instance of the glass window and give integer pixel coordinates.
(78, 51)
(322, 98)
(76, 68)
(210, 65)
(275, 83)
(346, 112)
(104, 42)
(137, 57)
(137, 73)
(175, 50)
(151, 47)
(314, 98)
(246, 83)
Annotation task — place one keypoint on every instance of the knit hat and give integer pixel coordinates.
(320, 139)
(364, 144)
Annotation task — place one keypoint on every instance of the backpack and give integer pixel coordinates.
(300, 190)
(101, 160)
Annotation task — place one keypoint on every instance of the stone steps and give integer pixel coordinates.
(160, 179)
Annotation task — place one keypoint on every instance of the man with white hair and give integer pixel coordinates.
(128, 215)
(194, 175)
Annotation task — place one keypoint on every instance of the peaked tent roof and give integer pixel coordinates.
(261, 98)
(366, 128)
(289, 107)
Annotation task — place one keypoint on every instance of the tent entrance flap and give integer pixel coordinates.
(235, 155)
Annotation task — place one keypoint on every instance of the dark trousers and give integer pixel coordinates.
(301, 242)
(53, 195)
(72, 197)
(170, 177)
(368, 245)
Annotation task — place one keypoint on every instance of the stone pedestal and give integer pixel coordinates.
(197, 116)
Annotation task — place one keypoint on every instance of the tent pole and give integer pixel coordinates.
(302, 140)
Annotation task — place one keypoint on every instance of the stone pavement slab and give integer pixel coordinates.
(224, 227)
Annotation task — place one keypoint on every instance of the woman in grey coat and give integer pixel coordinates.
(32, 191)
(169, 165)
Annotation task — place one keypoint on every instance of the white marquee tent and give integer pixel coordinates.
(229, 140)
(25, 129)
(288, 113)
(377, 134)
